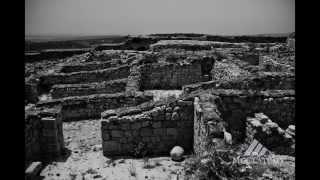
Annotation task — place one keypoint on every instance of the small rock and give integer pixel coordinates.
(177, 153)
(97, 147)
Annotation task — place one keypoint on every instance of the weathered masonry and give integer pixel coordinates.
(229, 109)
(43, 135)
(159, 126)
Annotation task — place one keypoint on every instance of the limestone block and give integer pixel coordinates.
(110, 146)
(156, 124)
(172, 132)
(146, 132)
(105, 136)
(145, 123)
(136, 125)
(159, 132)
(116, 133)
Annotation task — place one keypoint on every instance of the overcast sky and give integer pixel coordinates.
(103, 17)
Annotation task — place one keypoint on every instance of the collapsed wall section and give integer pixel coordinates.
(157, 127)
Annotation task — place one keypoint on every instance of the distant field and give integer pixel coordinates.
(38, 43)
(69, 38)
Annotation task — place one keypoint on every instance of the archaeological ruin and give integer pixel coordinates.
(245, 90)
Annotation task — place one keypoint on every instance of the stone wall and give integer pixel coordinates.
(208, 125)
(43, 134)
(105, 87)
(226, 70)
(170, 76)
(85, 76)
(159, 127)
(220, 109)
(90, 66)
(32, 136)
(235, 106)
(134, 79)
(268, 64)
(192, 45)
(31, 92)
(86, 107)
(260, 81)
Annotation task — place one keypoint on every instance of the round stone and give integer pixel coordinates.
(176, 153)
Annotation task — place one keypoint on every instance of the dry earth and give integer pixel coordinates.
(85, 159)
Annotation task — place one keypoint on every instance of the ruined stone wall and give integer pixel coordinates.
(170, 76)
(86, 107)
(268, 133)
(31, 92)
(208, 125)
(43, 135)
(134, 79)
(193, 45)
(105, 87)
(159, 128)
(261, 81)
(32, 136)
(228, 109)
(236, 105)
(268, 64)
(85, 76)
(68, 68)
(226, 70)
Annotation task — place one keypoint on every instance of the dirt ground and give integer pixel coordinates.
(86, 161)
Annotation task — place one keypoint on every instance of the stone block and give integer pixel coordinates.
(105, 136)
(49, 123)
(169, 124)
(135, 133)
(156, 124)
(116, 133)
(159, 132)
(110, 146)
(125, 126)
(123, 140)
(172, 132)
(136, 125)
(146, 132)
(145, 123)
